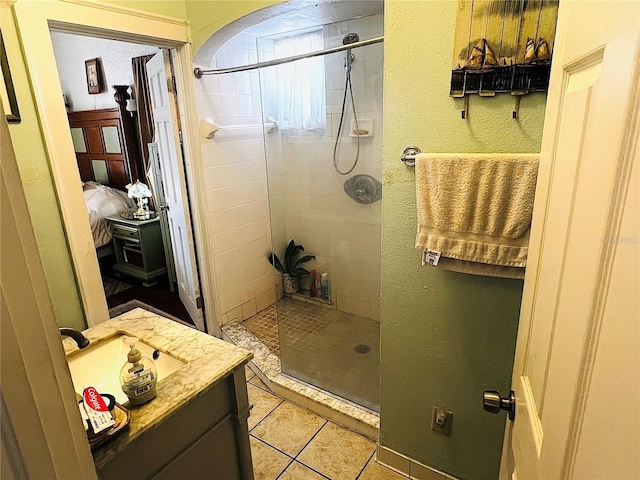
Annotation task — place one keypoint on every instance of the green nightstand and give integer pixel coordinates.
(138, 248)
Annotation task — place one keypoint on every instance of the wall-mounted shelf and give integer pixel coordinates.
(364, 125)
(305, 297)
(518, 80)
(506, 79)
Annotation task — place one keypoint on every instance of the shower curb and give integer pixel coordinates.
(266, 366)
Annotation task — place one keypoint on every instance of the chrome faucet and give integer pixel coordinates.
(79, 338)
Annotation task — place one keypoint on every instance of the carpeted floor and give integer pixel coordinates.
(124, 289)
(130, 305)
(113, 286)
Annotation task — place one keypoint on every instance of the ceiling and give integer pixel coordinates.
(306, 13)
(289, 16)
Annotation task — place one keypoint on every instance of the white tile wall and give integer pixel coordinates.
(343, 234)
(302, 197)
(236, 183)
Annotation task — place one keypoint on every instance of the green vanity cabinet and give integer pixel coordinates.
(206, 438)
(196, 426)
(138, 248)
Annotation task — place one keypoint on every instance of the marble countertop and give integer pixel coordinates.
(208, 358)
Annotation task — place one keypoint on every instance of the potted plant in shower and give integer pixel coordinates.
(291, 269)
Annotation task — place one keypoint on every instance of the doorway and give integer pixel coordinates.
(114, 148)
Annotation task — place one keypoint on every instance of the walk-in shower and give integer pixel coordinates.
(333, 343)
(315, 180)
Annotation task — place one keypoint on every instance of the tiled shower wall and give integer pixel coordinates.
(308, 201)
(236, 184)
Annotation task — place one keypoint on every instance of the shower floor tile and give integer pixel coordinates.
(264, 325)
(335, 351)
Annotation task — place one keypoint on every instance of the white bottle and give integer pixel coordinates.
(138, 376)
(324, 286)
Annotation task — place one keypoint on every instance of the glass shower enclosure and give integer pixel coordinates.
(323, 148)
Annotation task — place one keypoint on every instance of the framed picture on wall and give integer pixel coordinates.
(7, 93)
(94, 76)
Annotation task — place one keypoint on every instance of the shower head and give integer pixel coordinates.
(350, 38)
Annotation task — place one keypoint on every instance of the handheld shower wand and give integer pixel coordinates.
(348, 39)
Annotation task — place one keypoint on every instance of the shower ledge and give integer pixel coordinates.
(266, 366)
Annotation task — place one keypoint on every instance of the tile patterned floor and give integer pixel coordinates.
(291, 443)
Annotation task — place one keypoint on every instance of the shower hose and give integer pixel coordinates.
(347, 86)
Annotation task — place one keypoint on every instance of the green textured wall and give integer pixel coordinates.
(33, 164)
(445, 336)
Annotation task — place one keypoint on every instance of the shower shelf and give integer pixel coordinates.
(306, 298)
(365, 124)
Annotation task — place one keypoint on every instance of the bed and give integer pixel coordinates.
(102, 202)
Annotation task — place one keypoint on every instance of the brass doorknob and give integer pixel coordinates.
(492, 402)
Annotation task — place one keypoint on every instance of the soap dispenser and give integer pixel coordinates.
(138, 376)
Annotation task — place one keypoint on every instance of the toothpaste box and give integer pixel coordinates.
(100, 417)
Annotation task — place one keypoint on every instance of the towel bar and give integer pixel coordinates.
(409, 156)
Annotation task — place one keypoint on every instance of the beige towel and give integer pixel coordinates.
(475, 209)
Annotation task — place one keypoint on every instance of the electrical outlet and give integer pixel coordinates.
(441, 421)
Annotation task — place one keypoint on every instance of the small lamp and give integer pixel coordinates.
(140, 192)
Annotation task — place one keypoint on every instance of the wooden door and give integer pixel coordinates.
(577, 370)
(173, 177)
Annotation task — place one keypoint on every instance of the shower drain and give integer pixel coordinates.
(362, 348)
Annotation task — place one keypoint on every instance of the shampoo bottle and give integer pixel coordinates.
(313, 292)
(324, 286)
(318, 286)
(138, 376)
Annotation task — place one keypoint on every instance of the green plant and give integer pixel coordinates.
(292, 263)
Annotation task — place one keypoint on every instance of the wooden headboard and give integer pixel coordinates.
(105, 144)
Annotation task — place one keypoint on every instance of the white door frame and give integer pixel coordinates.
(120, 23)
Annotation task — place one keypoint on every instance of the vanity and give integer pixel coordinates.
(196, 427)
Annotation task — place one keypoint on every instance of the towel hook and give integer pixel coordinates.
(409, 156)
(465, 108)
(515, 114)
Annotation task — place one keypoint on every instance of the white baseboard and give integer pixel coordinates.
(407, 466)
